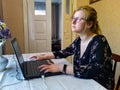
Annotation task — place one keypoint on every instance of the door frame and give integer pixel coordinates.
(26, 27)
(25, 17)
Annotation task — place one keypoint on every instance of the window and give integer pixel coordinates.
(40, 7)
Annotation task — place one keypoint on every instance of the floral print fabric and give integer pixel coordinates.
(96, 62)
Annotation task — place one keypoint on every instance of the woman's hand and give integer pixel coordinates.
(38, 57)
(50, 67)
(43, 56)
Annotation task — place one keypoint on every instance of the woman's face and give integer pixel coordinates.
(78, 22)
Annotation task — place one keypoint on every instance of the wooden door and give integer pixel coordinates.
(67, 33)
(39, 23)
(74, 5)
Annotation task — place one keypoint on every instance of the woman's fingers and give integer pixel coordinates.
(32, 57)
(50, 63)
(46, 68)
(42, 67)
(37, 57)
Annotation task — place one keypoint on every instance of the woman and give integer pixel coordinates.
(92, 54)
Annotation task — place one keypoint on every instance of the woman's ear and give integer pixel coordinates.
(90, 24)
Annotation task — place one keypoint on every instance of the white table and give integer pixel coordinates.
(59, 82)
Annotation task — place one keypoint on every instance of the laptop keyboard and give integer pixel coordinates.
(32, 68)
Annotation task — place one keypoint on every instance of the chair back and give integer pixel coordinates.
(116, 58)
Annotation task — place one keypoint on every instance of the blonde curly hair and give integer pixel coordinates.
(90, 16)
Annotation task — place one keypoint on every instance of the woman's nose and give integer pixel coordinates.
(73, 21)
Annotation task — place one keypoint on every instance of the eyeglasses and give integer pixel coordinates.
(77, 19)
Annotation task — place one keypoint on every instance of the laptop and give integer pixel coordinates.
(29, 68)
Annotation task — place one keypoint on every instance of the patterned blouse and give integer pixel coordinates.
(96, 62)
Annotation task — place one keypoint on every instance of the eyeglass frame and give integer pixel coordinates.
(77, 19)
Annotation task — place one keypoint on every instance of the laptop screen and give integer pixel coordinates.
(17, 51)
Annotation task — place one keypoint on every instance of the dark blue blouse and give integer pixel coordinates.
(96, 62)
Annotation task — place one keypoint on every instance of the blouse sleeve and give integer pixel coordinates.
(99, 61)
(67, 51)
